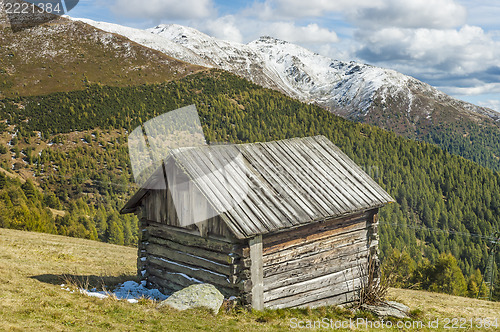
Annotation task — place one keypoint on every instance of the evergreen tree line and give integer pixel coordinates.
(433, 188)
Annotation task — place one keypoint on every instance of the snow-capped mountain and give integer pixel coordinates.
(65, 55)
(354, 90)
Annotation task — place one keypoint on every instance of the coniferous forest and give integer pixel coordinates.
(73, 146)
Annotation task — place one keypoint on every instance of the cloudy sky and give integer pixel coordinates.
(451, 44)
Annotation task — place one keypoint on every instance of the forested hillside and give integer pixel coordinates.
(73, 145)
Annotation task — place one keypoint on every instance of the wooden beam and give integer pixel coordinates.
(199, 273)
(180, 236)
(190, 259)
(198, 251)
(257, 272)
(316, 231)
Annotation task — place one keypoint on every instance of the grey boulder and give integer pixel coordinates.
(195, 296)
(388, 309)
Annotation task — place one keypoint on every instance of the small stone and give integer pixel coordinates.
(195, 296)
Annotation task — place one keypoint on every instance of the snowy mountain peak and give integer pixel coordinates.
(351, 89)
(269, 40)
(177, 33)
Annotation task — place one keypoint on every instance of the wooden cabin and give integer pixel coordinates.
(304, 223)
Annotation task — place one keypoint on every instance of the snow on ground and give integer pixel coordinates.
(129, 290)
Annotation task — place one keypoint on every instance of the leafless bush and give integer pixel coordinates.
(373, 290)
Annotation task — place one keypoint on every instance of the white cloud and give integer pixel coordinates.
(290, 32)
(458, 52)
(318, 8)
(410, 14)
(494, 104)
(224, 28)
(368, 13)
(163, 9)
(479, 89)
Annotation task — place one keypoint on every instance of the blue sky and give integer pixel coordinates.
(451, 44)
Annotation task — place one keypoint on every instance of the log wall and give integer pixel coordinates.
(318, 264)
(313, 265)
(172, 258)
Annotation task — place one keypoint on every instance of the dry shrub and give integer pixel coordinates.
(373, 290)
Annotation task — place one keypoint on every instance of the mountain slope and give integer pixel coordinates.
(33, 266)
(355, 91)
(65, 55)
(348, 88)
(351, 89)
(78, 151)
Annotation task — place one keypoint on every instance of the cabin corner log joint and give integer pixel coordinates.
(307, 222)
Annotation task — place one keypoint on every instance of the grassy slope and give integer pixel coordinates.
(64, 55)
(33, 265)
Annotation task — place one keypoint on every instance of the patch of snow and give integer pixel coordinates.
(130, 291)
(186, 277)
(99, 295)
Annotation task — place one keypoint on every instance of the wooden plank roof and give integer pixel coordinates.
(267, 187)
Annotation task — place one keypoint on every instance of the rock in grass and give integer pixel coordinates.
(195, 296)
(388, 309)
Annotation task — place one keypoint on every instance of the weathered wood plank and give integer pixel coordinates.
(312, 261)
(202, 252)
(299, 275)
(248, 202)
(341, 299)
(344, 194)
(290, 208)
(264, 199)
(166, 287)
(315, 296)
(168, 233)
(269, 218)
(190, 259)
(315, 232)
(315, 247)
(321, 189)
(256, 271)
(293, 180)
(221, 198)
(337, 280)
(201, 274)
(296, 242)
(179, 279)
(278, 180)
(174, 281)
(354, 170)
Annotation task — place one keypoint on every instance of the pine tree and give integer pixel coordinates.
(29, 190)
(3, 180)
(115, 234)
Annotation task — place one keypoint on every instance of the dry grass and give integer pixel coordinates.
(438, 305)
(32, 267)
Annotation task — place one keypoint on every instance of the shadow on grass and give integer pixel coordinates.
(85, 281)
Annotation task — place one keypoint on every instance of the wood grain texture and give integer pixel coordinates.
(263, 188)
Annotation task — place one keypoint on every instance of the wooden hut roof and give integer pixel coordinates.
(285, 183)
